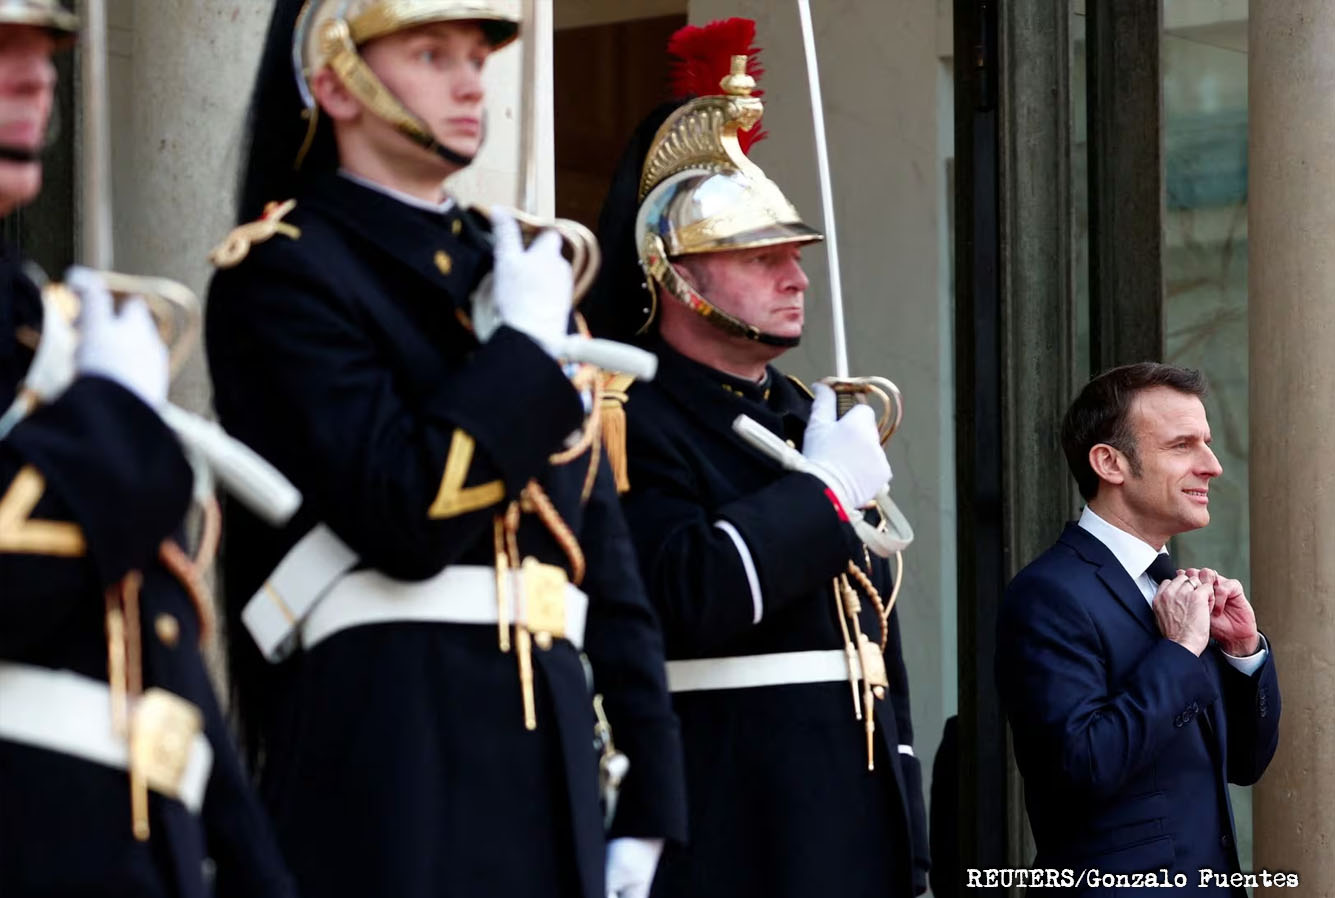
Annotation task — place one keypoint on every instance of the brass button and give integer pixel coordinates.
(168, 630)
(444, 262)
(456, 226)
(791, 444)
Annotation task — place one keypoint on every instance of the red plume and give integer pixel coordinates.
(701, 57)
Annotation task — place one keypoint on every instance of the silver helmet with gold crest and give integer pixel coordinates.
(698, 191)
(331, 33)
(50, 14)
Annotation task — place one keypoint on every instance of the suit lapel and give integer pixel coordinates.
(1120, 584)
(1113, 575)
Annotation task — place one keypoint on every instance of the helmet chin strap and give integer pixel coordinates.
(19, 154)
(659, 269)
(342, 56)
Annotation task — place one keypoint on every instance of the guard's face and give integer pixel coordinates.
(27, 84)
(436, 71)
(1172, 492)
(764, 287)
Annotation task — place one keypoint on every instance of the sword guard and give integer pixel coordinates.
(850, 390)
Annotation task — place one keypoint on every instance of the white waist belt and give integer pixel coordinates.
(59, 710)
(274, 614)
(751, 671)
(460, 594)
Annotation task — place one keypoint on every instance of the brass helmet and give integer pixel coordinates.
(48, 14)
(699, 193)
(329, 33)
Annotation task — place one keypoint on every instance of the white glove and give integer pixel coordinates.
(846, 452)
(122, 347)
(533, 287)
(630, 866)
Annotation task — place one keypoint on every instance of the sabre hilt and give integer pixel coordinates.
(892, 535)
(579, 245)
(851, 391)
(176, 310)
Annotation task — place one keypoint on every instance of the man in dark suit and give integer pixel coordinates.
(1136, 691)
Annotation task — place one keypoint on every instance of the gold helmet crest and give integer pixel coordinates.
(699, 193)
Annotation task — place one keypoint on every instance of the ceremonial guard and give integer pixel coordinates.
(785, 668)
(426, 656)
(117, 776)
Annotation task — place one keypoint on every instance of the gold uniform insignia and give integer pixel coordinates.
(20, 534)
(233, 250)
(453, 498)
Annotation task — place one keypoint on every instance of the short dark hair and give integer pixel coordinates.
(1101, 414)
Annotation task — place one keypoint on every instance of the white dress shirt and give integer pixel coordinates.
(1136, 555)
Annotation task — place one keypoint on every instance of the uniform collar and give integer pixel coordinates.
(442, 206)
(716, 398)
(450, 249)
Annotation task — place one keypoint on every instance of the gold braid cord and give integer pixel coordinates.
(209, 532)
(882, 609)
(498, 541)
(125, 675)
(512, 577)
(534, 499)
(853, 608)
(587, 376)
(191, 577)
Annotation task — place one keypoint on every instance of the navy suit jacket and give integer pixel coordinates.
(1125, 739)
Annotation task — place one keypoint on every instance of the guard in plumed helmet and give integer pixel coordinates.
(117, 772)
(783, 646)
(447, 669)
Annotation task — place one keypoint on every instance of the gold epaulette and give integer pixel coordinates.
(232, 251)
(615, 396)
(801, 386)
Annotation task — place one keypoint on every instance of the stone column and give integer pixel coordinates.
(1291, 215)
(180, 78)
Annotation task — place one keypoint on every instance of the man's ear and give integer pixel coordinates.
(685, 273)
(1109, 463)
(334, 98)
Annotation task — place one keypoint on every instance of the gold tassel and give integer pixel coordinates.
(614, 427)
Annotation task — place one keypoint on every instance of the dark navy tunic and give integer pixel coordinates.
(781, 802)
(114, 477)
(396, 761)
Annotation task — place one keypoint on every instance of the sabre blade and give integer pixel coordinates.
(826, 192)
(537, 137)
(95, 187)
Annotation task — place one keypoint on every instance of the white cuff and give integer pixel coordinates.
(907, 750)
(1251, 663)
(748, 564)
(631, 864)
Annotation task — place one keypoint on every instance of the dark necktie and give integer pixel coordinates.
(1162, 568)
